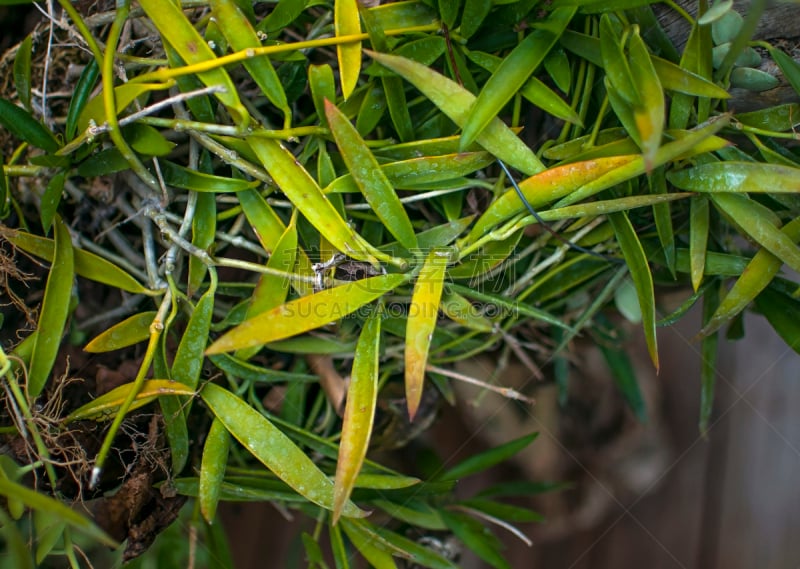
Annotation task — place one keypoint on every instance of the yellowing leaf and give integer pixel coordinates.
(106, 406)
(359, 412)
(422, 317)
(346, 23)
(130, 331)
(306, 313)
(272, 448)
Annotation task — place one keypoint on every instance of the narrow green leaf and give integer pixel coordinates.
(284, 13)
(420, 172)
(488, 458)
(698, 238)
(625, 378)
(179, 32)
(55, 308)
(372, 547)
(181, 177)
(105, 407)
(305, 194)
(188, 362)
(212, 469)
(371, 109)
(204, 228)
(346, 22)
(49, 533)
(475, 12)
(503, 511)
(22, 125)
(323, 88)
(781, 311)
(636, 260)
(305, 313)
(761, 224)
(22, 71)
(760, 271)
(87, 264)
(403, 14)
(535, 90)
(671, 76)
(130, 331)
(16, 547)
(359, 412)
(50, 199)
(272, 448)
(456, 102)
(423, 313)
(80, 96)
(414, 512)
(420, 555)
(512, 74)
(789, 67)
(241, 36)
(663, 217)
(41, 502)
(369, 177)
(709, 352)
(731, 176)
(478, 538)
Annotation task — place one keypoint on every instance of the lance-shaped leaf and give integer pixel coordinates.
(179, 32)
(756, 276)
(188, 362)
(55, 308)
(419, 172)
(106, 406)
(369, 177)
(422, 316)
(730, 176)
(87, 264)
(513, 72)
(130, 331)
(545, 187)
(698, 238)
(23, 126)
(181, 177)
(672, 77)
(22, 71)
(272, 448)
(305, 313)
(305, 194)
(241, 35)
(272, 289)
(212, 469)
(346, 23)
(455, 102)
(636, 260)
(359, 412)
(40, 501)
(649, 109)
(761, 224)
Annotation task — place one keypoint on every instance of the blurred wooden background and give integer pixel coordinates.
(728, 501)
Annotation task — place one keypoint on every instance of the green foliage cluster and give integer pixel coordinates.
(314, 183)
